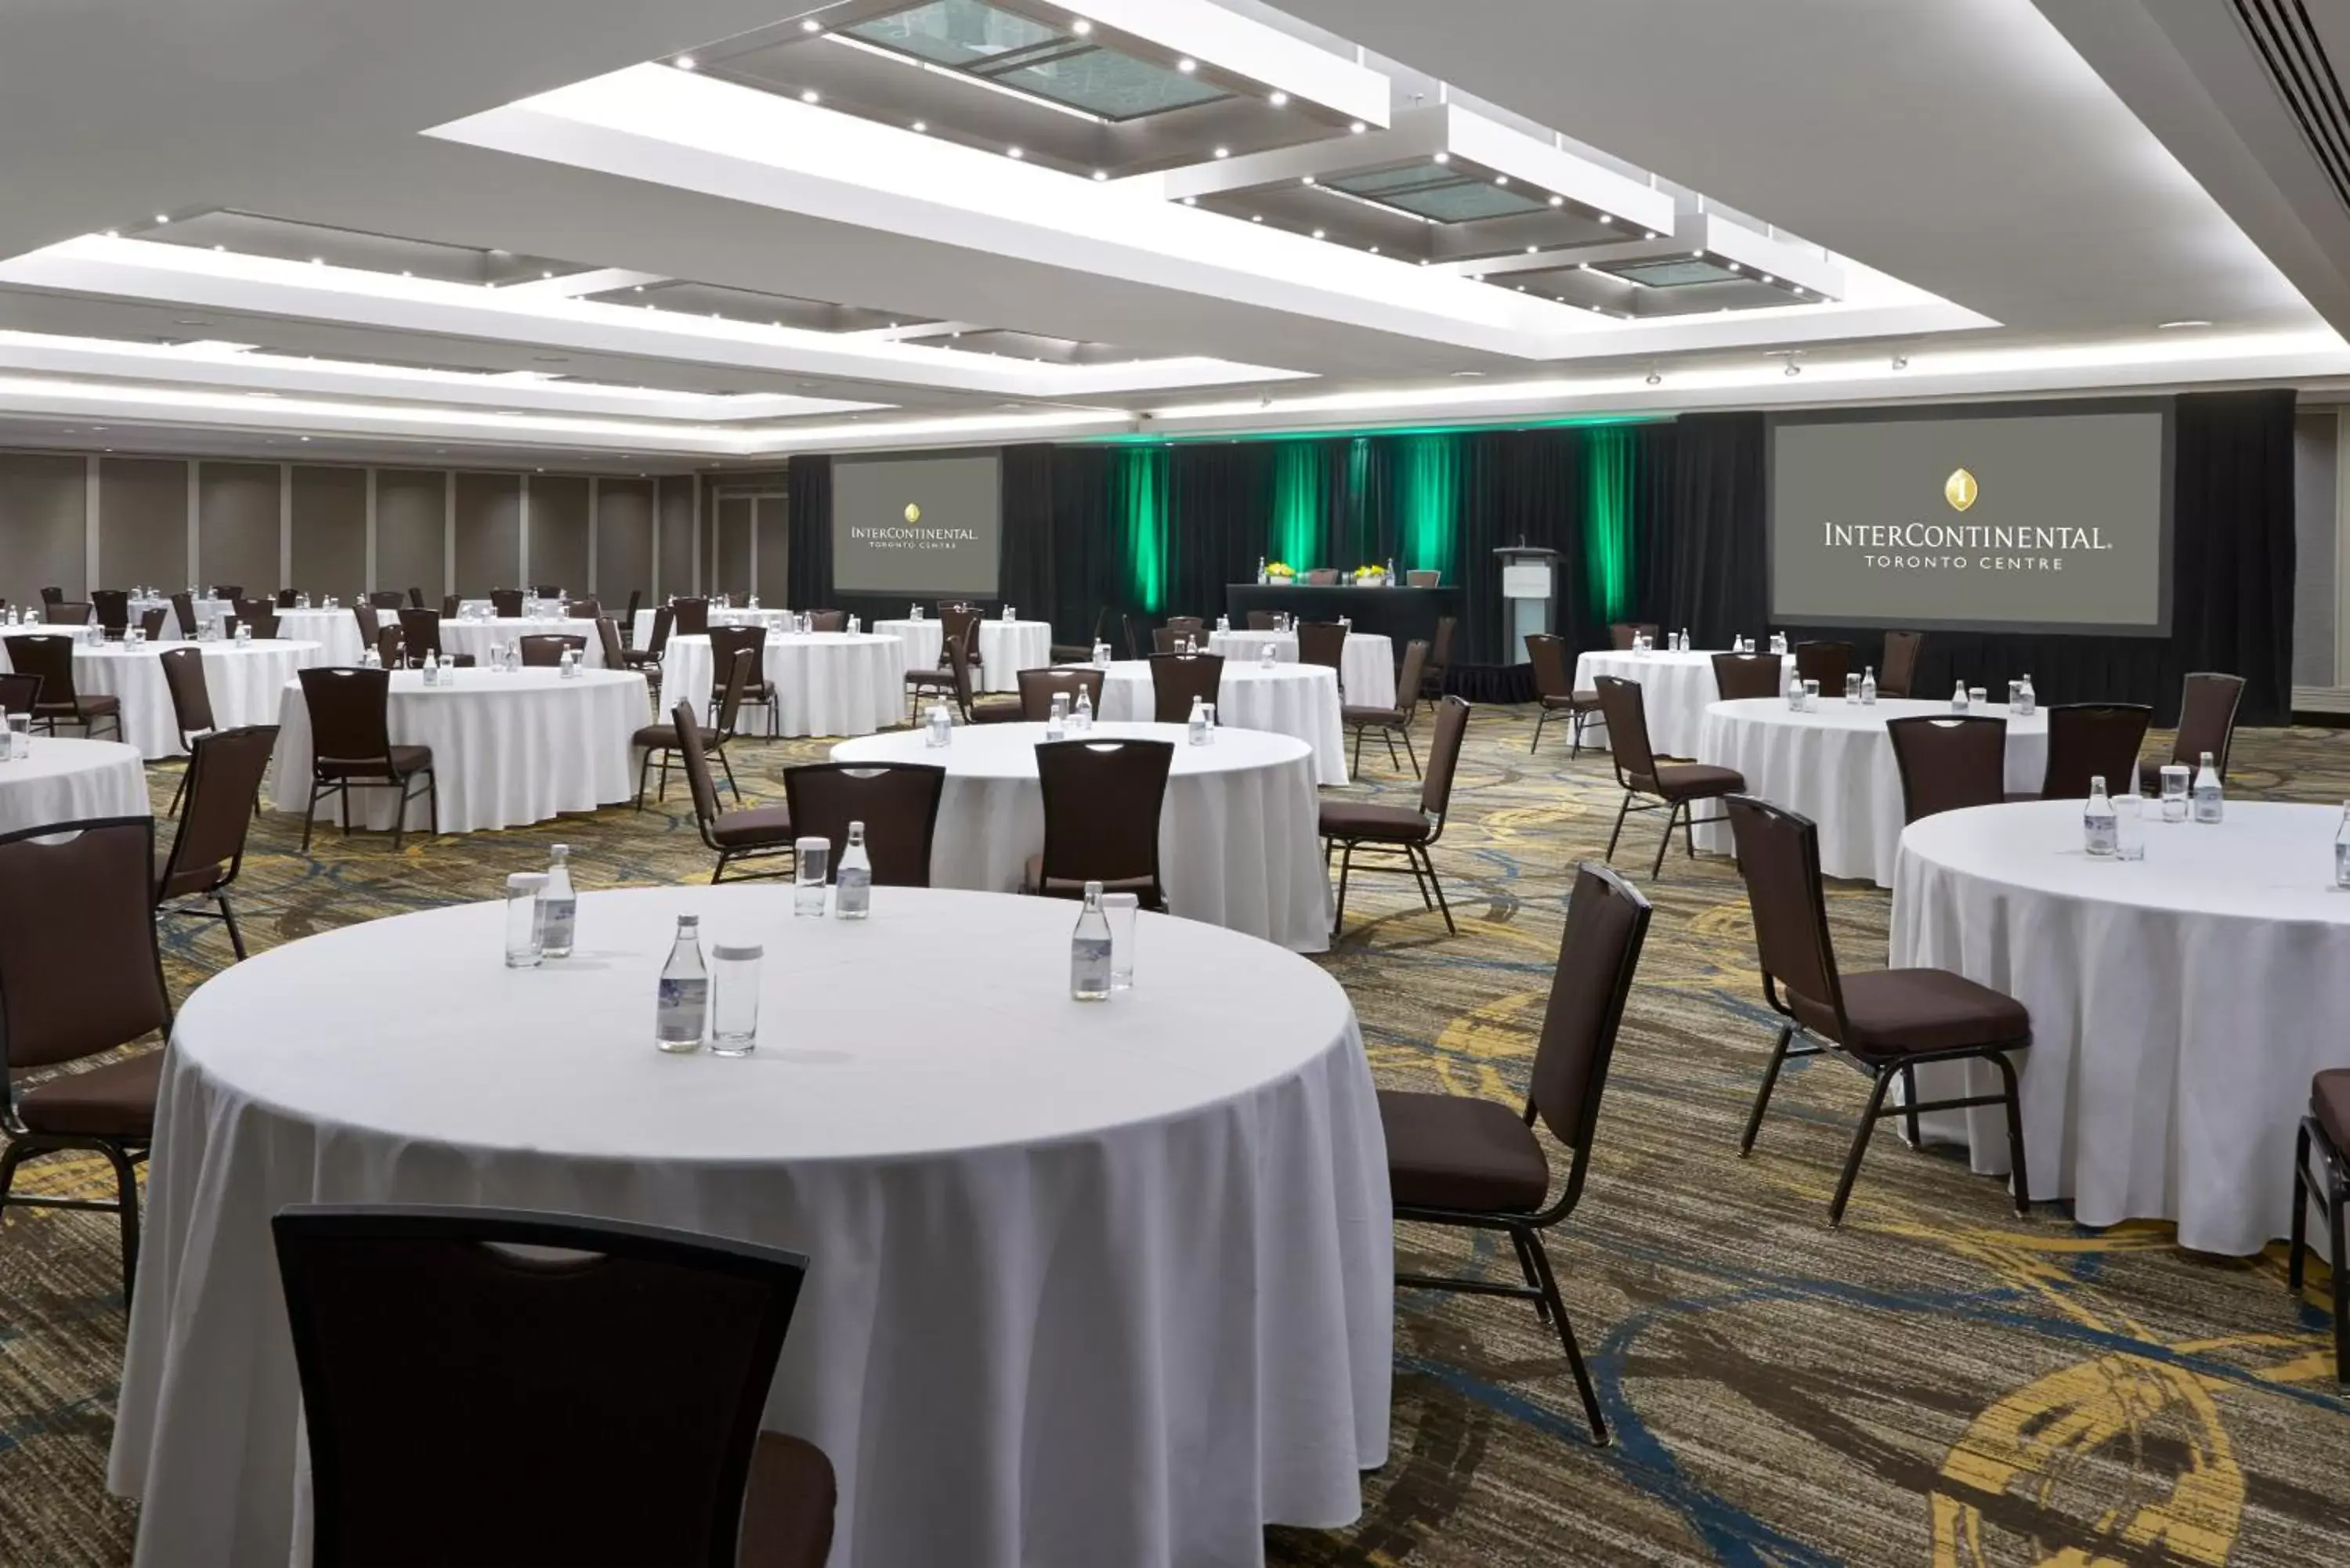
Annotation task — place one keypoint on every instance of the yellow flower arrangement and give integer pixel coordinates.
(1280, 569)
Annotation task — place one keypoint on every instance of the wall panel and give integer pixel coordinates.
(409, 506)
(775, 553)
(43, 542)
(143, 525)
(329, 532)
(236, 529)
(489, 533)
(677, 536)
(624, 542)
(559, 531)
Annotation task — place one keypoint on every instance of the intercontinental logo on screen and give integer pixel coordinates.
(911, 534)
(1940, 546)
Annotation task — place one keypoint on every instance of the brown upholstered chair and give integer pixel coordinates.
(264, 626)
(2092, 739)
(725, 641)
(1190, 626)
(451, 606)
(584, 610)
(547, 590)
(1102, 800)
(225, 770)
(828, 620)
(1620, 633)
(65, 612)
(545, 650)
(73, 986)
(1899, 674)
(1070, 653)
(1460, 1160)
(184, 606)
(661, 738)
(760, 833)
(416, 598)
(1322, 577)
(1440, 658)
(1323, 642)
(1354, 827)
(1555, 690)
(529, 1478)
(692, 617)
(1949, 761)
(19, 692)
(647, 661)
(976, 710)
(628, 617)
(151, 623)
(1142, 642)
(391, 647)
(1888, 1022)
(1741, 677)
(1825, 663)
(1039, 687)
(288, 598)
(959, 623)
(112, 607)
(507, 603)
(49, 655)
(389, 599)
(1176, 679)
(191, 706)
(1167, 639)
(1423, 579)
(255, 613)
(370, 625)
(2207, 723)
(1263, 620)
(1392, 722)
(350, 748)
(52, 596)
(419, 634)
(2324, 1133)
(897, 801)
(1672, 787)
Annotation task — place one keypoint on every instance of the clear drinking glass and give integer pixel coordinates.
(734, 998)
(1811, 696)
(1208, 711)
(2174, 792)
(20, 735)
(2130, 825)
(523, 889)
(1852, 689)
(1120, 908)
(809, 858)
(1977, 696)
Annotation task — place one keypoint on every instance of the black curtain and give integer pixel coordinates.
(1702, 557)
(1026, 576)
(1219, 506)
(1087, 571)
(807, 517)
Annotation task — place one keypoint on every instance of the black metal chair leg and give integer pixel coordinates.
(2021, 1171)
(1534, 1276)
(127, 1190)
(1541, 718)
(1762, 1094)
(1867, 1130)
(2301, 1196)
(1412, 754)
(309, 815)
(1599, 1434)
(1389, 736)
(11, 1154)
(728, 763)
(401, 797)
(228, 916)
(181, 793)
(1618, 833)
(1441, 903)
(1657, 869)
(1359, 748)
(2334, 1207)
(644, 768)
(1909, 1099)
(1346, 864)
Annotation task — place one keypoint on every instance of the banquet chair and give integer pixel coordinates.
(942, 680)
(52, 596)
(416, 598)
(1366, 827)
(507, 603)
(370, 625)
(451, 606)
(1675, 788)
(1323, 642)
(419, 634)
(192, 707)
(2092, 739)
(2207, 723)
(225, 770)
(1103, 797)
(647, 661)
(19, 692)
(1948, 762)
(585, 609)
(1620, 633)
(1322, 577)
(1264, 620)
(975, 709)
(1190, 626)
(350, 747)
(1474, 1163)
(264, 623)
(389, 599)
(253, 612)
(1555, 689)
(1176, 679)
(1140, 643)
(288, 598)
(1886, 1023)
(1414, 579)
(663, 737)
(2324, 1133)
(545, 650)
(692, 617)
(1439, 660)
(112, 606)
(49, 655)
(1039, 687)
(1166, 639)
(1825, 663)
(629, 618)
(231, 591)
(1390, 722)
(71, 989)
(608, 637)
(1070, 653)
(547, 590)
(391, 647)
(65, 612)
(151, 623)
(183, 605)
(828, 620)
(656, 1459)
(897, 801)
(759, 691)
(1899, 674)
(1742, 677)
(959, 620)
(751, 832)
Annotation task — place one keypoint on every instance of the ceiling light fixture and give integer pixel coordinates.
(1901, 361)
(1443, 158)
(1278, 100)
(1101, 174)
(1014, 153)
(163, 217)
(1531, 249)
(1558, 201)
(1605, 221)
(811, 25)
(1318, 234)
(1501, 178)
(1307, 180)
(1187, 65)
(1647, 234)
(1374, 250)
(1655, 380)
(1190, 201)
(685, 62)
(546, 275)
(1356, 127)
(1256, 217)
(1735, 267)
(1223, 152)
(1768, 278)
(1081, 27)
(921, 128)
(2176, 326)
(809, 96)
(1794, 369)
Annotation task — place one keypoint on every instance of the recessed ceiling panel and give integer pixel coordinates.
(1030, 56)
(1433, 191)
(1679, 272)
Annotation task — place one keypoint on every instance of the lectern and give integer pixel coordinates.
(1529, 590)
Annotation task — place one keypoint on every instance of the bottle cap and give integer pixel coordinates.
(738, 951)
(525, 881)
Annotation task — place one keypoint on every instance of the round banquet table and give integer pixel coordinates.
(71, 781)
(1675, 688)
(336, 631)
(1239, 841)
(641, 629)
(827, 682)
(1836, 767)
(2179, 1003)
(1008, 647)
(510, 747)
(209, 612)
(1365, 668)
(923, 639)
(243, 679)
(477, 636)
(1300, 699)
(1088, 1284)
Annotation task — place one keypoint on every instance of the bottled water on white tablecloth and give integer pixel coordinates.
(1868, 686)
(682, 1006)
(1199, 722)
(2027, 702)
(1082, 720)
(558, 906)
(852, 884)
(1057, 717)
(2209, 805)
(2342, 849)
(2099, 831)
(1958, 699)
(941, 727)
(1090, 950)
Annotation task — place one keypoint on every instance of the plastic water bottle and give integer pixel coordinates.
(2342, 849)
(852, 884)
(1685, 641)
(2099, 832)
(1792, 684)
(1260, 571)
(682, 1006)
(2026, 704)
(1199, 722)
(558, 905)
(1083, 718)
(431, 669)
(1958, 699)
(2208, 804)
(1089, 950)
(1057, 717)
(942, 733)
(1868, 686)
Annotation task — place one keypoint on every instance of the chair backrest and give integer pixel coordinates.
(451, 606)
(370, 624)
(1899, 673)
(960, 651)
(547, 590)
(1606, 922)
(2207, 718)
(419, 630)
(1102, 801)
(1263, 620)
(698, 782)
(585, 609)
(725, 641)
(48, 655)
(635, 601)
(113, 608)
(228, 590)
(1948, 762)
(1443, 759)
(1553, 677)
(388, 647)
(897, 801)
(664, 618)
(52, 596)
(1779, 858)
(86, 976)
(1322, 577)
(1189, 626)
(505, 603)
(608, 637)
(1411, 674)
(400, 1316)
(350, 712)
(1177, 678)
(1825, 663)
(1621, 632)
(828, 620)
(1165, 639)
(288, 598)
(1140, 642)
(955, 622)
(691, 616)
(1418, 579)
(65, 612)
(192, 698)
(1739, 676)
(225, 770)
(19, 691)
(543, 650)
(1625, 707)
(151, 623)
(389, 599)
(253, 612)
(730, 695)
(416, 598)
(1321, 642)
(1439, 655)
(264, 623)
(2092, 739)
(183, 605)
(1038, 688)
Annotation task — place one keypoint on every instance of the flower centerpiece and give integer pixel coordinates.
(1370, 577)
(1280, 572)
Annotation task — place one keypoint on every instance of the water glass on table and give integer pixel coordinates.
(19, 736)
(2174, 792)
(808, 864)
(1120, 909)
(523, 930)
(734, 998)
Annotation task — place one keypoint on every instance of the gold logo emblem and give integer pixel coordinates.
(914, 512)
(1959, 490)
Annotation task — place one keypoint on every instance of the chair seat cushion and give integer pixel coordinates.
(405, 760)
(1011, 713)
(1696, 781)
(1034, 880)
(1457, 1151)
(1362, 820)
(1374, 716)
(660, 737)
(1905, 1010)
(2329, 1096)
(1574, 702)
(753, 827)
(930, 680)
(116, 1100)
(80, 707)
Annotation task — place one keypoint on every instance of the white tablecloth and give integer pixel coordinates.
(827, 682)
(477, 636)
(1238, 832)
(1365, 668)
(71, 781)
(243, 679)
(923, 639)
(2179, 1005)
(773, 619)
(1288, 699)
(336, 631)
(1088, 1284)
(509, 747)
(1836, 767)
(1007, 647)
(1675, 688)
(208, 613)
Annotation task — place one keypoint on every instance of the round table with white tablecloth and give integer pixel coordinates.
(1675, 688)
(641, 629)
(1300, 699)
(510, 747)
(1239, 841)
(1835, 766)
(1367, 666)
(70, 780)
(924, 638)
(2179, 1003)
(243, 679)
(336, 631)
(1165, 1218)
(827, 682)
(478, 637)
(209, 612)
(1008, 647)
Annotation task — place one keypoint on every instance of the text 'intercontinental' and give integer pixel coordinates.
(895, 536)
(2022, 547)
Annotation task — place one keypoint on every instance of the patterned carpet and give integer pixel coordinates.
(1938, 1384)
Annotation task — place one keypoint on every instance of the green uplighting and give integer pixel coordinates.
(1297, 533)
(1138, 484)
(1611, 473)
(1428, 502)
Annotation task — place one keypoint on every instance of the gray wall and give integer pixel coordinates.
(330, 554)
(142, 539)
(559, 531)
(489, 533)
(412, 531)
(2315, 432)
(236, 525)
(624, 540)
(44, 540)
(676, 545)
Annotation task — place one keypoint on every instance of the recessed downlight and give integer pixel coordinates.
(1356, 127)
(685, 62)
(1223, 152)
(1080, 27)
(1443, 158)
(1187, 65)
(2179, 325)
(809, 95)
(1278, 100)
(810, 24)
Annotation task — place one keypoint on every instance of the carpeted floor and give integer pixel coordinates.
(1938, 1384)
